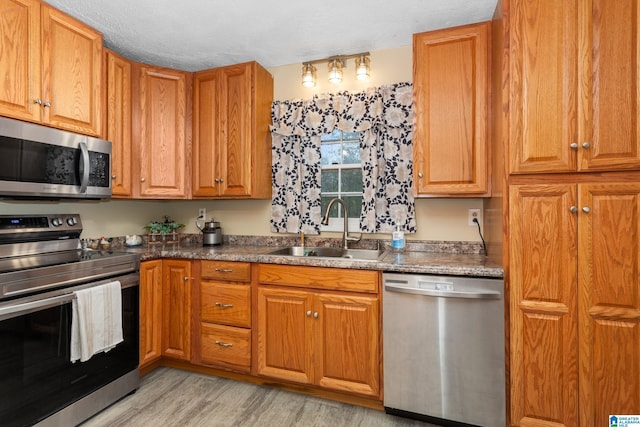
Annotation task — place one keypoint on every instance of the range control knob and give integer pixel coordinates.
(56, 222)
(71, 221)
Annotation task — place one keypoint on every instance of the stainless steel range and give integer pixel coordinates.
(41, 269)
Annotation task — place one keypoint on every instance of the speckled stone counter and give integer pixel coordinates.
(422, 262)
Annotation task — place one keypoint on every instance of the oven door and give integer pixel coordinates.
(37, 378)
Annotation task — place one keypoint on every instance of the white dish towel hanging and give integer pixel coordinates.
(96, 323)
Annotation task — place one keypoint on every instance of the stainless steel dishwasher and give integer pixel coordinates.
(444, 348)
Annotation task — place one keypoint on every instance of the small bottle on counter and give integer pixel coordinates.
(397, 240)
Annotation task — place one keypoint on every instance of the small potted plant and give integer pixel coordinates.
(163, 232)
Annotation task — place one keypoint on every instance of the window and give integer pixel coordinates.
(341, 177)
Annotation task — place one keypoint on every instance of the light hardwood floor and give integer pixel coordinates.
(171, 397)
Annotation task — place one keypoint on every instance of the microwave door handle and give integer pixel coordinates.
(84, 167)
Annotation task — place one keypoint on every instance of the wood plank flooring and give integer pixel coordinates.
(171, 397)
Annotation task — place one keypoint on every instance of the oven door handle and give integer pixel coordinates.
(29, 307)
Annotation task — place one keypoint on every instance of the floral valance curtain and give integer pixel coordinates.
(384, 118)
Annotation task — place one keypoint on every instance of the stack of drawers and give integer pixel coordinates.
(225, 315)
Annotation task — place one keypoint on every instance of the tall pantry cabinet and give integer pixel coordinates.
(573, 213)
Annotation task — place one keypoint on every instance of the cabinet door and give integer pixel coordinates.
(150, 311)
(20, 59)
(610, 67)
(176, 309)
(235, 114)
(543, 305)
(206, 131)
(609, 301)
(72, 66)
(543, 85)
(162, 142)
(451, 81)
(347, 341)
(118, 121)
(285, 334)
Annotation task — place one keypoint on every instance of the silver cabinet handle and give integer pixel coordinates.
(573, 209)
(420, 174)
(46, 104)
(223, 344)
(574, 145)
(224, 270)
(221, 179)
(113, 177)
(37, 101)
(586, 145)
(186, 278)
(221, 305)
(480, 294)
(315, 315)
(141, 179)
(308, 313)
(586, 209)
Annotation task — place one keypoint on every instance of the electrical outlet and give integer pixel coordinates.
(474, 213)
(202, 213)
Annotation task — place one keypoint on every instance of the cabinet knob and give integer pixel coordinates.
(46, 104)
(37, 101)
(308, 313)
(113, 177)
(315, 315)
(186, 278)
(574, 145)
(586, 209)
(586, 145)
(141, 179)
(221, 179)
(420, 175)
(573, 209)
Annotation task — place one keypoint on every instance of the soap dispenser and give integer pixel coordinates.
(397, 239)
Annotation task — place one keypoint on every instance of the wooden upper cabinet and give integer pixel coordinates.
(451, 138)
(573, 86)
(20, 62)
(231, 138)
(52, 66)
(160, 121)
(118, 121)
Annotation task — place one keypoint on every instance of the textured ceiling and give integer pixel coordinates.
(196, 34)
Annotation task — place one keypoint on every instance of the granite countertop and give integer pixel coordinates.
(436, 263)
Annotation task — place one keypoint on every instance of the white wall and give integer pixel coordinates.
(438, 219)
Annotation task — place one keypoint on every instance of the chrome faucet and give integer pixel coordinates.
(345, 214)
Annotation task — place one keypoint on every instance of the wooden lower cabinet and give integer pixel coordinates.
(176, 308)
(312, 336)
(222, 316)
(150, 311)
(575, 302)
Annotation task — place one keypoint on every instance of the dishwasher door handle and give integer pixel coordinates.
(480, 294)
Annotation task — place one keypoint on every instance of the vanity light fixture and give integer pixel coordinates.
(363, 67)
(336, 64)
(308, 75)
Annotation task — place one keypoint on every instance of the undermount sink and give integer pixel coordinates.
(323, 252)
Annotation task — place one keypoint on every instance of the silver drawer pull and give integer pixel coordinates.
(219, 304)
(223, 344)
(224, 270)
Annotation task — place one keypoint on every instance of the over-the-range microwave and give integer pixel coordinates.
(41, 162)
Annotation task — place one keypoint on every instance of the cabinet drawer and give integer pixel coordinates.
(225, 345)
(226, 270)
(225, 303)
(339, 279)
